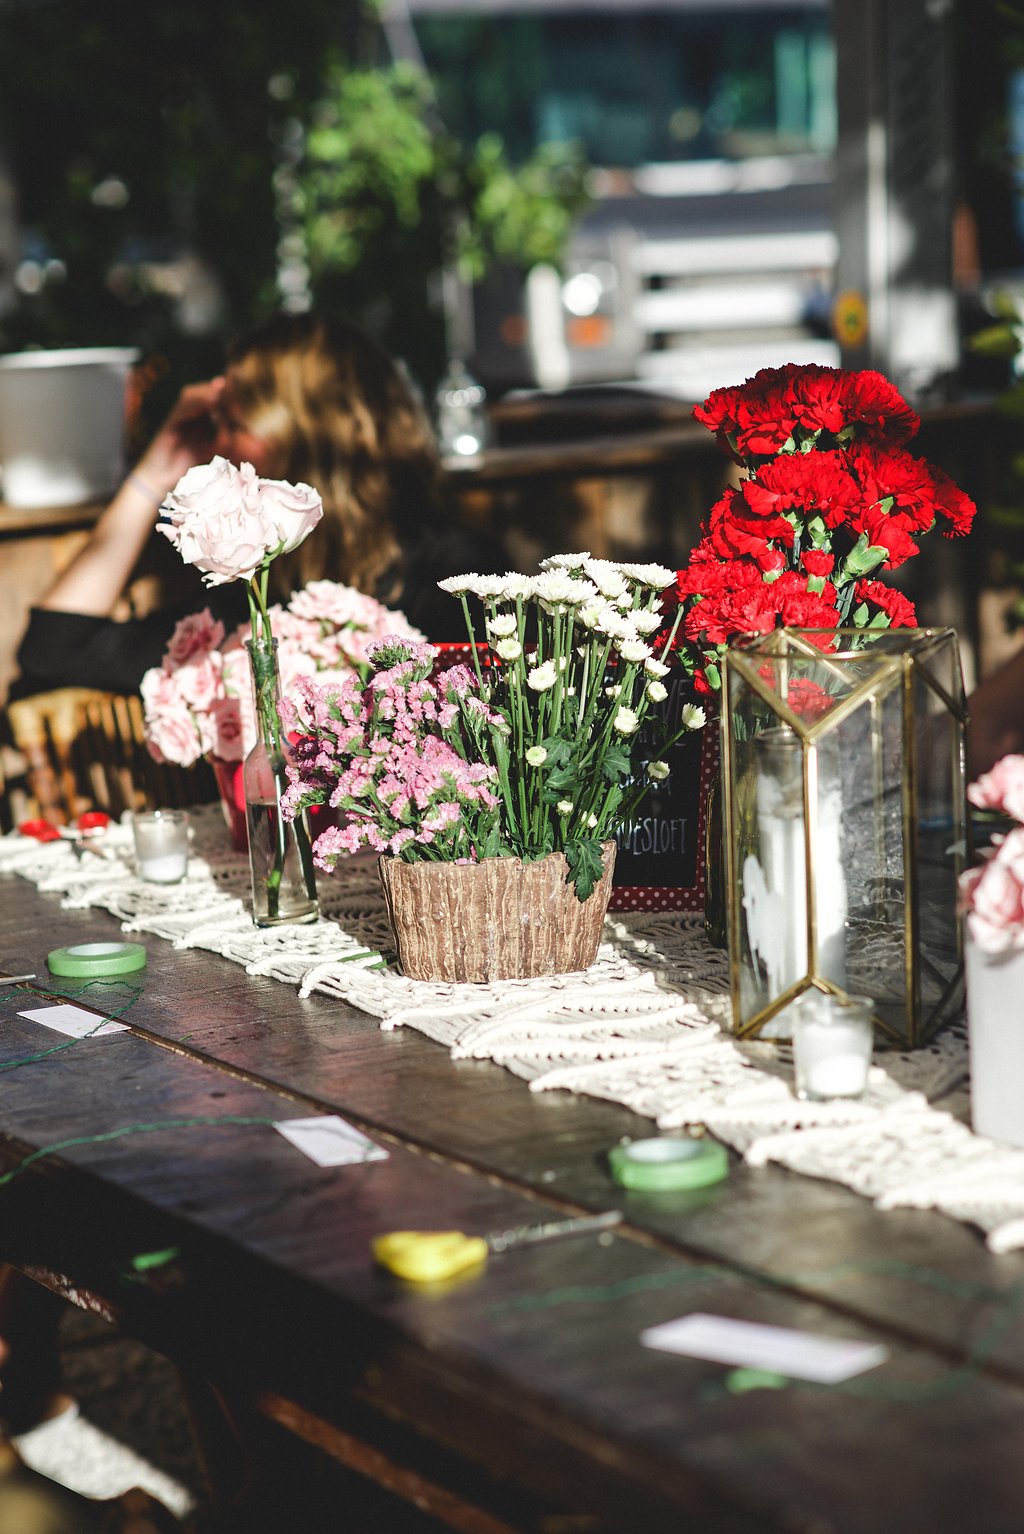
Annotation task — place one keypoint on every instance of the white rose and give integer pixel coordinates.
(293, 510)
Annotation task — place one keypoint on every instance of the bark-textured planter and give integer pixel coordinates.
(501, 919)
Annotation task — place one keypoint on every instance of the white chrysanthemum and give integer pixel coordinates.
(645, 622)
(657, 692)
(591, 822)
(542, 677)
(607, 577)
(458, 585)
(565, 806)
(589, 615)
(612, 691)
(502, 625)
(693, 716)
(558, 587)
(615, 624)
(490, 588)
(565, 562)
(655, 576)
(634, 651)
(536, 756)
(656, 668)
(486, 587)
(658, 771)
(625, 720)
(508, 649)
(515, 587)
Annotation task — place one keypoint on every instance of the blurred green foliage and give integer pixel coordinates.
(136, 133)
(386, 197)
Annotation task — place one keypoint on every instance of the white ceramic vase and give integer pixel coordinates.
(995, 1020)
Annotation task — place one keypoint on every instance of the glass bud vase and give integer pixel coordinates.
(280, 854)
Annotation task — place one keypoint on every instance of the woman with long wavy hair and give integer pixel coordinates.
(305, 398)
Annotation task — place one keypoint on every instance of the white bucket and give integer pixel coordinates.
(62, 424)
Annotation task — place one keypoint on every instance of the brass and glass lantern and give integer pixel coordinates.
(845, 823)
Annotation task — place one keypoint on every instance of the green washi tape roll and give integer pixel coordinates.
(667, 1164)
(96, 960)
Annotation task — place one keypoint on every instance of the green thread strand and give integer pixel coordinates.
(110, 1014)
(127, 1129)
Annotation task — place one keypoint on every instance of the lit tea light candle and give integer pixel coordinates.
(161, 845)
(832, 1038)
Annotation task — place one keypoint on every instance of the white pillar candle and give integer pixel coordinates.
(832, 1038)
(161, 845)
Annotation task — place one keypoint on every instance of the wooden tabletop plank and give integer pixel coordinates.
(553, 1329)
(541, 1348)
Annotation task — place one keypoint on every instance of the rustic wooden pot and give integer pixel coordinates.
(501, 919)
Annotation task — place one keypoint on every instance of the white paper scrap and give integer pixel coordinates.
(748, 1344)
(74, 1021)
(329, 1141)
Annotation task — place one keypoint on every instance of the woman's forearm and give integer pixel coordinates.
(94, 580)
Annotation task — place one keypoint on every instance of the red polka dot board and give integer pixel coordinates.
(659, 864)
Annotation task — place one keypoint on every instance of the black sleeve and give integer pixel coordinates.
(62, 649)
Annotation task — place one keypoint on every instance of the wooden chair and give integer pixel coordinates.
(78, 749)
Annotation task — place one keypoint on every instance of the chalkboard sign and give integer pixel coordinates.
(659, 865)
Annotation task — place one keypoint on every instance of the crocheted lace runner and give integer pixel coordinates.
(645, 1026)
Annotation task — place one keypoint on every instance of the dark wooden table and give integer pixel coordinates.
(522, 1388)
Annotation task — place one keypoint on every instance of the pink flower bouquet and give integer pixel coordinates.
(993, 893)
(199, 701)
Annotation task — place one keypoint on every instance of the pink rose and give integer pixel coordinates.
(1002, 788)
(173, 732)
(197, 634)
(200, 682)
(292, 510)
(217, 522)
(226, 727)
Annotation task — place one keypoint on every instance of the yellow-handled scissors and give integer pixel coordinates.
(426, 1256)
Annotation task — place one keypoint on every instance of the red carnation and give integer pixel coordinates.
(808, 700)
(816, 395)
(878, 409)
(803, 609)
(898, 608)
(817, 562)
(954, 506)
(814, 484)
(908, 481)
(889, 533)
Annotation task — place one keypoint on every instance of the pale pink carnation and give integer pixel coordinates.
(1002, 788)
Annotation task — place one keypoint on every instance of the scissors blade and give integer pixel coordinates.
(552, 1230)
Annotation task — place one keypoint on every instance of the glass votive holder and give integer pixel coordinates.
(832, 1038)
(161, 845)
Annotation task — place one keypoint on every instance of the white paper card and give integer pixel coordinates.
(747, 1344)
(74, 1021)
(329, 1141)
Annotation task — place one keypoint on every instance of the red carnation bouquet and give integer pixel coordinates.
(829, 499)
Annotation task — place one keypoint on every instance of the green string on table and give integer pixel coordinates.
(1009, 1305)
(110, 1014)
(129, 1129)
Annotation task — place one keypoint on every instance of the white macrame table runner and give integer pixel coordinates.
(646, 1026)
